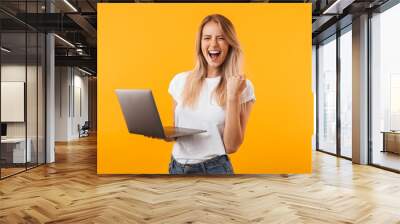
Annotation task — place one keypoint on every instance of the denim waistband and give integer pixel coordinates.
(210, 162)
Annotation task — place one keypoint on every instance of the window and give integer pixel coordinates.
(385, 88)
(327, 95)
(346, 93)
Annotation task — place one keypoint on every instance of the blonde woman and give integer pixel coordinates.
(216, 97)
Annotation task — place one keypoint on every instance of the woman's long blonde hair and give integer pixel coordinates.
(231, 65)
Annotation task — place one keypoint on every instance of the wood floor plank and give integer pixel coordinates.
(70, 191)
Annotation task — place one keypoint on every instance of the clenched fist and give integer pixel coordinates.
(235, 86)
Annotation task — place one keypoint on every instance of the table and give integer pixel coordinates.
(13, 150)
(391, 141)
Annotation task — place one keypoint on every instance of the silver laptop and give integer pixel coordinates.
(141, 115)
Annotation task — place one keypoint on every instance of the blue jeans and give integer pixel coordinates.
(216, 165)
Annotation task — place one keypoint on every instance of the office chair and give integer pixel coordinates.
(84, 130)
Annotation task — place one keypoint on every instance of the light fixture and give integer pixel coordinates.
(80, 51)
(70, 5)
(5, 50)
(64, 40)
(337, 7)
(84, 71)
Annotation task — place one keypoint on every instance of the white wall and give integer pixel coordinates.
(62, 81)
(81, 102)
(71, 94)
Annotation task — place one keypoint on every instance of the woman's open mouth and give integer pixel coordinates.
(214, 54)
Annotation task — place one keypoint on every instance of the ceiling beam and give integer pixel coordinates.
(84, 24)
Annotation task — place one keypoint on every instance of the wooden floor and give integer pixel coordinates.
(69, 191)
(5, 172)
(387, 159)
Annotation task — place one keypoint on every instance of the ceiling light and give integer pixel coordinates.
(5, 50)
(338, 6)
(84, 71)
(70, 5)
(65, 41)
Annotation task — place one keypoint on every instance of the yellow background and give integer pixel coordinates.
(145, 45)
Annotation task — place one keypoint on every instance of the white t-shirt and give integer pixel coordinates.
(206, 115)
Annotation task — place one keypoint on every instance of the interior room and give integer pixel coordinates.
(49, 98)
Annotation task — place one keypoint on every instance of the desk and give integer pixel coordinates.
(13, 150)
(391, 141)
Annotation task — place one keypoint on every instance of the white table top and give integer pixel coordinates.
(13, 140)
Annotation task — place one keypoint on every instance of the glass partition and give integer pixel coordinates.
(41, 87)
(346, 93)
(13, 104)
(31, 100)
(22, 88)
(385, 89)
(327, 95)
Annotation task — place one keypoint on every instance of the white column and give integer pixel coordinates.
(50, 100)
(360, 90)
(50, 92)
